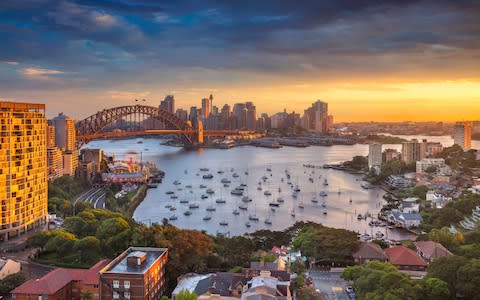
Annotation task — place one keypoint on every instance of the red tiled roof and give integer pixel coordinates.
(403, 256)
(432, 249)
(60, 277)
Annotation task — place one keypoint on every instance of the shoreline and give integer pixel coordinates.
(136, 200)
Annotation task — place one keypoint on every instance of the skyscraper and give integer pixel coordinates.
(168, 104)
(315, 118)
(374, 155)
(64, 132)
(207, 106)
(251, 118)
(239, 115)
(462, 135)
(413, 151)
(23, 167)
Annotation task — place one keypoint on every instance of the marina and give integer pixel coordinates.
(244, 171)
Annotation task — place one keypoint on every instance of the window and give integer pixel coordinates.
(116, 295)
(126, 295)
(126, 284)
(116, 284)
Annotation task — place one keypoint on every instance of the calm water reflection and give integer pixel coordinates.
(184, 166)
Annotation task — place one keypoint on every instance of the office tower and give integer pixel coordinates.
(182, 114)
(315, 118)
(193, 116)
(462, 135)
(206, 107)
(239, 116)
(54, 163)
(214, 110)
(137, 273)
(251, 117)
(168, 104)
(329, 123)
(64, 132)
(374, 155)
(23, 167)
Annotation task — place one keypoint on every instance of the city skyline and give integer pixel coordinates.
(366, 60)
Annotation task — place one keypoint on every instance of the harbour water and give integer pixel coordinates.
(251, 164)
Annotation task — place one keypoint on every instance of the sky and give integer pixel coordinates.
(370, 60)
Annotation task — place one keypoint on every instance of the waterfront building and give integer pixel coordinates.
(62, 283)
(168, 104)
(92, 155)
(390, 154)
(64, 132)
(23, 167)
(413, 151)
(374, 155)
(315, 118)
(251, 116)
(239, 116)
(55, 163)
(462, 135)
(137, 273)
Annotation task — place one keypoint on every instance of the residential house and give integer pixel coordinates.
(405, 259)
(430, 250)
(405, 220)
(62, 284)
(368, 251)
(266, 287)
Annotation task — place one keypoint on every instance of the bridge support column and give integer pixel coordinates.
(199, 133)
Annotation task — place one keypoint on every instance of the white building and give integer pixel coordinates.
(266, 287)
(8, 267)
(374, 155)
(438, 163)
(438, 200)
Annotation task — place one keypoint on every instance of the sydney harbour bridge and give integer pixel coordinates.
(102, 125)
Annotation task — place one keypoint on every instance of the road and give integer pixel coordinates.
(95, 196)
(329, 283)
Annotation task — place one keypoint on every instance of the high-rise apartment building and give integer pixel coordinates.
(251, 119)
(374, 155)
(239, 115)
(315, 118)
(50, 136)
(413, 151)
(64, 132)
(168, 104)
(55, 163)
(137, 273)
(23, 167)
(462, 135)
(207, 106)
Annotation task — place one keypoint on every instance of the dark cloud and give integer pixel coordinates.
(104, 40)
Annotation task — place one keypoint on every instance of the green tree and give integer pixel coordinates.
(10, 282)
(164, 298)
(186, 295)
(61, 242)
(308, 293)
(88, 248)
(111, 227)
(86, 295)
(39, 239)
(436, 289)
(445, 268)
(468, 279)
(446, 238)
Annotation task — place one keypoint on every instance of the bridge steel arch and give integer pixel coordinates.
(87, 129)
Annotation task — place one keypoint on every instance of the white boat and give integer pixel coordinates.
(207, 176)
(225, 180)
(173, 208)
(193, 205)
(236, 192)
(174, 197)
(248, 224)
(189, 186)
(207, 218)
(325, 211)
(220, 172)
(267, 193)
(176, 182)
(183, 201)
(297, 189)
(379, 235)
(223, 223)
(253, 218)
(325, 181)
(314, 200)
(301, 206)
(235, 175)
(236, 212)
(173, 217)
(292, 213)
(243, 207)
(268, 221)
(170, 192)
(245, 199)
(211, 208)
(324, 204)
(204, 169)
(187, 213)
(204, 196)
(220, 200)
(168, 206)
(202, 186)
(280, 200)
(210, 191)
(294, 195)
(323, 194)
(259, 188)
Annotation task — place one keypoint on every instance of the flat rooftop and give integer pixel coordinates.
(120, 265)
